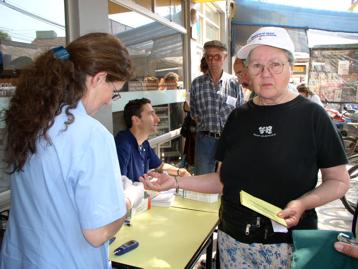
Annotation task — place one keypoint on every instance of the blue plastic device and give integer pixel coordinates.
(112, 240)
(126, 247)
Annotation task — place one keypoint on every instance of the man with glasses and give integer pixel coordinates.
(213, 96)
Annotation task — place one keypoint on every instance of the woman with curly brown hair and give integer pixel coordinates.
(66, 197)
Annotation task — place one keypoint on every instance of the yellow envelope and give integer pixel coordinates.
(260, 206)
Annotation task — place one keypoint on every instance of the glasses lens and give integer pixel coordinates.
(216, 57)
(116, 96)
(276, 67)
(255, 68)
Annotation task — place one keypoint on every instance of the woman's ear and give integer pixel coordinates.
(99, 78)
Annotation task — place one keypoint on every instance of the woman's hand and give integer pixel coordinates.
(183, 172)
(292, 213)
(163, 182)
(347, 249)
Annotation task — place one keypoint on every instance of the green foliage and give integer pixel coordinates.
(4, 36)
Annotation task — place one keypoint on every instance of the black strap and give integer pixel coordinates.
(355, 224)
(235, 219)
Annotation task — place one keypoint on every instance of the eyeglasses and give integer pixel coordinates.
(216, 57)
(115, 95)
(273, 67)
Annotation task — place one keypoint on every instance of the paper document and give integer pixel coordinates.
(163, 198)
(260, 206)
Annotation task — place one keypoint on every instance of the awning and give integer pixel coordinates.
(252, 14)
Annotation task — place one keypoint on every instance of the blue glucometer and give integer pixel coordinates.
(126, 247)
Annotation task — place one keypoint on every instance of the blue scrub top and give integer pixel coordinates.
(134, 160)
(66, 186)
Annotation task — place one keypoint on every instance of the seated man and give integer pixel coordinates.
(135, 155)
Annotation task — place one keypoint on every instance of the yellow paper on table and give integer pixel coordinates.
(260, 206)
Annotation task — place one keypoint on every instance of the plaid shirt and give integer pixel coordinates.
(211, 105)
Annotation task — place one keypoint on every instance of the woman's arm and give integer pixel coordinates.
(208, 183)
(96, 237)
(335, 183)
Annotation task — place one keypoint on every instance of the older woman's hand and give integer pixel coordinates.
(163, 181)
(347, 249)
(292, 213)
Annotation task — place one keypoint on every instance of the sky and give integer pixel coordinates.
(22, 27)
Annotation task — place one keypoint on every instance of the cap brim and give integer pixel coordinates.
(245, 50)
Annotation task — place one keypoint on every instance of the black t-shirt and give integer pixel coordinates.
(274, 152)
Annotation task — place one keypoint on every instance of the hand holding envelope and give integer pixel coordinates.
(260, 206)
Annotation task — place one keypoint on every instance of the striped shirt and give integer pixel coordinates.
(211, 105)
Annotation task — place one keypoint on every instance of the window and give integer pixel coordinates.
(144, 3)
(170, 9)
(212, 14)
(207, 23)
(212, 32)
(29, 27)
(156, 51)
(155, 48)
(26, 29)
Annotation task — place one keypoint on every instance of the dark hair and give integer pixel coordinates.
(302, 88)
(133, 108)
(203, 65)
(51, 83)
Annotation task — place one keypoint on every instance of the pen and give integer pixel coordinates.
(127, 222)
(112, 240)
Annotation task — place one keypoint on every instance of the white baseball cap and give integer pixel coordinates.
(271, 36)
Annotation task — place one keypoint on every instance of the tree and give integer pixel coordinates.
(4, 36)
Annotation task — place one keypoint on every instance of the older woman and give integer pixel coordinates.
(272, 147)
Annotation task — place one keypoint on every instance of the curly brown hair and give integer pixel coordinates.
(49, 84)
(302, 88)
(204, 68)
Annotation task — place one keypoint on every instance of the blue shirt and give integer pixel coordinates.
(134, 160)
(65, 187)
(211, 104)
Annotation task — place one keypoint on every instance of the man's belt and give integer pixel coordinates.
(215, 135)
